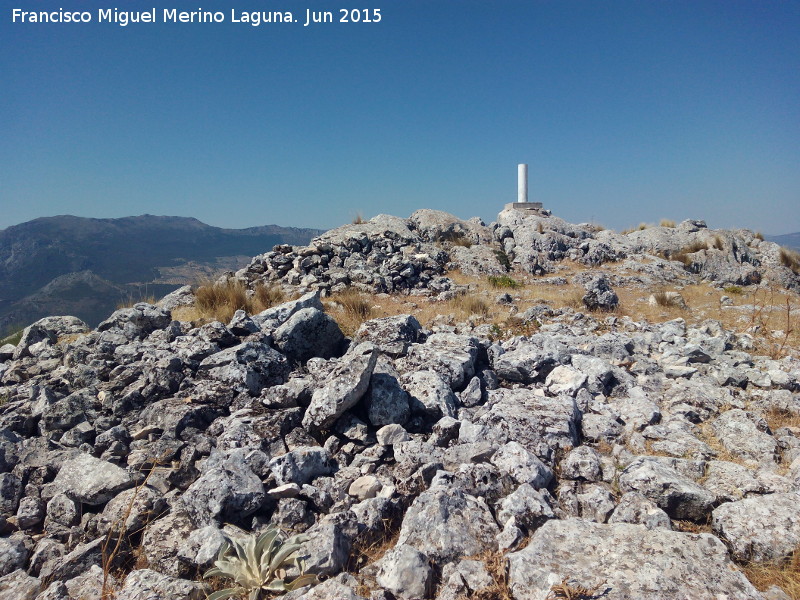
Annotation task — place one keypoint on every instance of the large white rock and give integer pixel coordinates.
(627, 562)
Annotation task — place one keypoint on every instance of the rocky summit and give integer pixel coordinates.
(528, 409)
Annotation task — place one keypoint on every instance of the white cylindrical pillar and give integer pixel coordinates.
(522, 183)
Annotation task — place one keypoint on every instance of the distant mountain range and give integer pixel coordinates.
(791, 240)
(86, 267)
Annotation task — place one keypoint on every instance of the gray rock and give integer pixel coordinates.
(406, 572)
(452, 356)
(77, 562)
(131, 510)
(565, 380)
(328, 548)
(729, 481)
(523, 466)
(528, 507)
(599, 295)
(448, 524)
(391, 335)
(226, 490)
(540, 424)
(386, 401)
(582, 463)
(626, 562)
(18, 585)
(13, 554)
(137, 321)
(346, 385)
(636, 508)
(745, 435)
(250, 366)
(341, 588)
(89, 584)
(143, 584)
(389, 435)
(62, 509)
(307, 333)
(429, 394)
(91, 480)
(242, 325)
(164, 539)
(760, 529)
(678, 495)
(10, 493)
(31, 512)
(183, 296)
(301, 465)
(462, 578)
(276, 316)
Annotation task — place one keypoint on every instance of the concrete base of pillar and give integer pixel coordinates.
(525, 206)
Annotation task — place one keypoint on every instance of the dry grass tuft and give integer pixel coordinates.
(718, 242)
(667, 223)
(267, 296)
(219, 301)
(496, 565)
(779, 417)
(350, 309)
(784, 574)
(358, 219)
(662, 298)
(456, 238)
(733, 290)
(130, 301)
(790, 259)
(759, 236)
(539, 227)
(468, 305)
(569, 591)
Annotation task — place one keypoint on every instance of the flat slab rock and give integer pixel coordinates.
(628, 562)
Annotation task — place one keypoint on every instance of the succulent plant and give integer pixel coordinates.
(259, 562)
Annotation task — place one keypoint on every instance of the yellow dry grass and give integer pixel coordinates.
(784, 574)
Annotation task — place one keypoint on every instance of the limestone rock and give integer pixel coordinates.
(760, 529)
(626, 562)
(91, 480)
(347, 384)
(445, 524)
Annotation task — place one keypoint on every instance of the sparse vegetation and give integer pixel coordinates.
(784, 574)
(469, 304)
(759, 236)
(667, 223)
(456, 238)
(503, 281)
(733, 290)
(718, 243)
(663, 298)
(131, 301)
(218, 301)
(574, 591)
(259, 563)
(351, 309)
(358, 219)
(539, 227)
(14, 336)
(268, 295)
(790, 259)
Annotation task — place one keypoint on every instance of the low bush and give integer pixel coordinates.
(503, 281)
(667, 223)
(734, 290)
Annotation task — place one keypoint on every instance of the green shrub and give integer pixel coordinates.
(734, 290)
(503, 281)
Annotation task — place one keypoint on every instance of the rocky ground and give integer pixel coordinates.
(571, 451)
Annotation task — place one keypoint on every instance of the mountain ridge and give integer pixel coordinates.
(128, 252)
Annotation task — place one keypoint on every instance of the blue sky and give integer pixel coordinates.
(625, 112)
